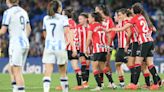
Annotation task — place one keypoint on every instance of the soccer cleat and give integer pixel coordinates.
(102, 85)
(131, 86)
(59, 88)
(85, 85)
(122, 85)
(96, 89)
(112, 86)
(154, 87)
(78, 88)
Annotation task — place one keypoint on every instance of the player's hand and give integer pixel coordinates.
(87, 53)
(74, 53)
(126, 49)
(110, 29)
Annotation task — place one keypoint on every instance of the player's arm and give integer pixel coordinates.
(89, 38)
(129, 34)
(3, 30)
(120, 29)
(44, 33)
(28, 28)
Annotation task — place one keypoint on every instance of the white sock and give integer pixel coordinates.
(64, 83)
(46, 84)
(14, 86)
(20, 89)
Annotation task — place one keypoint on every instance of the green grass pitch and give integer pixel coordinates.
(33, 83)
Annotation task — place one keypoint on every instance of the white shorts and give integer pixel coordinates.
(18, 56)
(55, 57)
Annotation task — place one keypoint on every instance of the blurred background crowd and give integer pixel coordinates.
(37, 10)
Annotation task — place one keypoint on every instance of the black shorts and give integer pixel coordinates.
(69, 52)
(83, 55)
(100, 56)
(132, 50)
(145, 50)
(121, 55)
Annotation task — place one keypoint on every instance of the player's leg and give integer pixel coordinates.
(119, 60)
(48, 61)
(74, 63)
(146, 74)
(96, 72)
(17, 62)
(83, 61)
(61, 57)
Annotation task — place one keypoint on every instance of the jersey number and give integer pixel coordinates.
(53, 28)
(22, 22)
(144, 26)
(101, 35)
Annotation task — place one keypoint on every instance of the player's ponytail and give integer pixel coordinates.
(138, 9)
(53, 7)
(68, 12)
(97, 16)
(14, 1)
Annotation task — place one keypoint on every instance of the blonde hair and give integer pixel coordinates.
(14, 1)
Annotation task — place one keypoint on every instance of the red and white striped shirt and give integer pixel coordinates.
(122, 38)
(108, 23)
(143, 30)
(98, 37)
(83, 37)
(72, 26)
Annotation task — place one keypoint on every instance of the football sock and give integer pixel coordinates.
(83, 70)
(21, 89)
(108, 74)
(14, 86)
(147, 79)
(102, 77)
(137, 73)
(154, 74)
(121, 79)
(97, 78)
(64, 84)
(132, 74)
(46, 84)
(78, 76)
(87, 73)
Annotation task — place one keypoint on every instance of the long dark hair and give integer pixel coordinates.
(53, 7)
(68, 12)
(138, 9)
(104, 9)
(97, 16)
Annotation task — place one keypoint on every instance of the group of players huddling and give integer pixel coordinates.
(89, 42)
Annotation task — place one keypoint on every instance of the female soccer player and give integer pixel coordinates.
(16, 20)
(107, 23)
(145, 48)
(74, 60)
(120, 55)
(55, 27)
(83, 31)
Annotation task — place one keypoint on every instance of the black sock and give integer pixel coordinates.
(154, 74)
(147, 79)
(83, 70)
(79, 79)
(137, 74)
(87, 75)
(97, 78)
(102, 77)
(121, 79)
(132, 74)
(109, 76)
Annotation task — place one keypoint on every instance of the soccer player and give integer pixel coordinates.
(16, 21)
(146, 48)
(120, 55)
(97, 36)
(107, 23)
(83, 31)
(74, 60)
(55, 27)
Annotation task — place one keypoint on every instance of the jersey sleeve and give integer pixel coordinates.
(44, 24)
(65, 22)
(27, 19)
(6, 19)
(111, 23)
